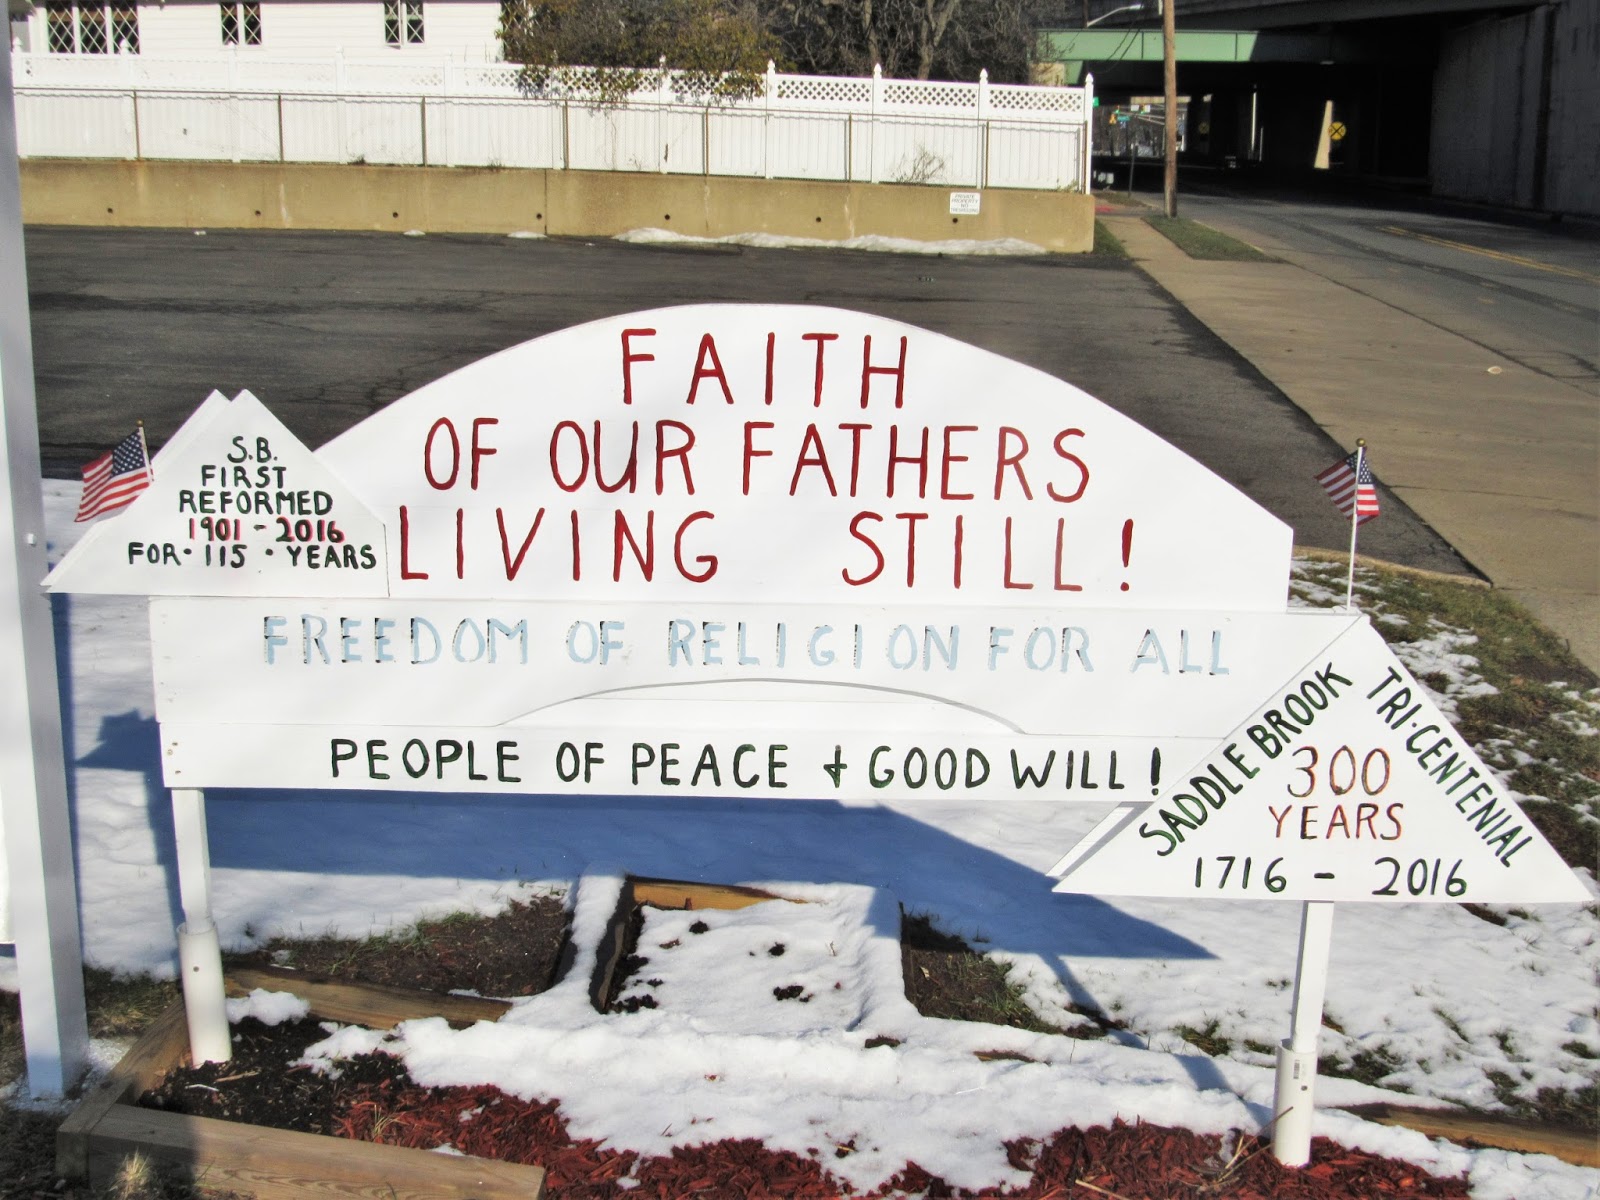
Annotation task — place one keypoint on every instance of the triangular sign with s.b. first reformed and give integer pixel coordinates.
(237, 506)
(1347, 784)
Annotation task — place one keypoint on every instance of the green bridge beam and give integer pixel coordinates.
(1094, 46)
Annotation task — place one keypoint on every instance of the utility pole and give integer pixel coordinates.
(1169, 74)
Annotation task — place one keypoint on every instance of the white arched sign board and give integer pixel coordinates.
(648, 553)
(744, 453)
(802, 553)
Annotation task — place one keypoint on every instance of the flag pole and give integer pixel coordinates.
(1355, 524)
(145, 447)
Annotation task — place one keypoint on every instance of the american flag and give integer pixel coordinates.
(1349, 485)
(112, 481)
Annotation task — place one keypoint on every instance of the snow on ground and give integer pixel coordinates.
(1010, 247)
(1447, 996)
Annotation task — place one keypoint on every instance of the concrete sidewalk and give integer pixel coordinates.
(1503, 463)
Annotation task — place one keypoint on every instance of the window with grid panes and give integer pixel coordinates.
(125, 28)
(402, 22)
(241, 23)
(91, 28)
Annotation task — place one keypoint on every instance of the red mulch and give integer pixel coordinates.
(1124, 1162)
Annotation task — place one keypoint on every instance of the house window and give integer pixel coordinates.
(241, 23)
(92, 28)
(402, 22)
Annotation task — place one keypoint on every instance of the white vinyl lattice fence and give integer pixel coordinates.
(234, 108)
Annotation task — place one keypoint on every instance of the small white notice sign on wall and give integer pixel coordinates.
(965, 204)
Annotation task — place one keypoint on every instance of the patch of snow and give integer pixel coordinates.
(968, 247)
(270, 1008)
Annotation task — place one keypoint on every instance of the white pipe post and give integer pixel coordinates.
(1087, 165)
(37, 869)
(199, 950)
(235, 125)
(1293, 1100)
(450, 87)
(663, 151)
(981, 126)
(872, 133)
(770, 94)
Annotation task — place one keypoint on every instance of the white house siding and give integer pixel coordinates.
(463, 30)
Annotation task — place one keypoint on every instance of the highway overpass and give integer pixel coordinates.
(1483, 101)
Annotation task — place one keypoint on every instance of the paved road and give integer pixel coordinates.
(327, 328)
(1527, 294)
(1464, 351)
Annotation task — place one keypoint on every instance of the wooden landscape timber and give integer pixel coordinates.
(377, 1006)
(673, 894)
(275, 1164)
(681, 894)
(1577, 1146)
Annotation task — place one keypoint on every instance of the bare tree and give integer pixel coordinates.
(922, 39)
(718, 47)
(725, 44)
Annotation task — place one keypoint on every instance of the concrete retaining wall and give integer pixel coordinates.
(571, 203)
(1516, 110)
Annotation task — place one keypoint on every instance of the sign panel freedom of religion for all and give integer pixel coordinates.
(789, 551)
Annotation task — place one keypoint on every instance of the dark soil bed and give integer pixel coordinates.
(517, 952)
(373, 1099)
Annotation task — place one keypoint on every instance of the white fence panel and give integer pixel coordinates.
(479, 131)
(56, 123)
(386, 131)
(682, 140)
(393, 78)
(945, 153)
(906, 96)
(313, 129)
(242, 108)
(280, 75)
(484, 79)
(186, 125)
(208, 126)
(737, 142)
(1033, 156)
(613, 139)
(808, 145)
(822, 93)
(1056, 105)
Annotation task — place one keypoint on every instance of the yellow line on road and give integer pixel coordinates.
(1569, 272)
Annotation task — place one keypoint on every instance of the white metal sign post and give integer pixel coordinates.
(35, 834)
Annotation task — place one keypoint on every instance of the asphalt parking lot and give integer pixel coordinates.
(326, 328)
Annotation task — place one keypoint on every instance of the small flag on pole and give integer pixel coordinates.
(112, 481)
(1349, 485)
